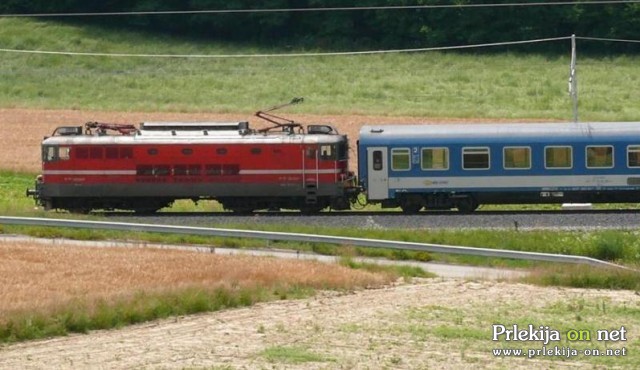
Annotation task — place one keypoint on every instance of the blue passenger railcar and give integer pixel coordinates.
(463, 166)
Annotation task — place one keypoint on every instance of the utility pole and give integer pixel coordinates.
(573, 80)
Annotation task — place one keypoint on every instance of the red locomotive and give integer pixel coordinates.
(110, 166)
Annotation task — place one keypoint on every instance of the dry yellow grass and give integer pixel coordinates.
(23, 129)
(36, 278)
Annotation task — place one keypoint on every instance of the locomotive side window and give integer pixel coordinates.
(64, 153)
(187, 151)
(221, 151)
(558, 157)
(475, 158)
(600, 156)
(435, 159)
(111, 153)
(213, 170)
(256, 151)
(82, 153)
(633, 156)
(95, 153)
(400, 159)
(193, 170)
(377, 160)
(179, 170)
(152, 151)
(144, 170)
(342, 150)
(517, 158)
(126, 152)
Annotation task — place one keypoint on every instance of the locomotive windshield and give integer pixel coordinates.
(55, 153)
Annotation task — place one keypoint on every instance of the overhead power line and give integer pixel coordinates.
(285, 55)
(329, 9)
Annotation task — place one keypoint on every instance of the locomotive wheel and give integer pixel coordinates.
(466, 205)
(310, 210)
(79, 211)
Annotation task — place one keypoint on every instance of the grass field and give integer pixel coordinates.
(60, 289)
(422, 84)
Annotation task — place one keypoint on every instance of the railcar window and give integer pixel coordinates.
(475, 158)
(558, 157)
(435, 159)
(152, 151)
(256, 151)
(400, 159)
(221, 151)
(187, 151)
(633, 156)
(600, 156)
(377, 160)
(517, 158)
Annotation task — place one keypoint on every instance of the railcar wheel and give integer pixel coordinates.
(242, 210)
(146, 211)
(411, 208)
(466, 205)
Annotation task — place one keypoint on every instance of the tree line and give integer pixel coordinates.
(364, 29)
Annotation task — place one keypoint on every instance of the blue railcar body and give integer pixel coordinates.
(475, 170)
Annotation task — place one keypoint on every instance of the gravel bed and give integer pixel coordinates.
(441, 220)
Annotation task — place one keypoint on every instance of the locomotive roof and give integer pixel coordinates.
(193, 137)
(498, 132)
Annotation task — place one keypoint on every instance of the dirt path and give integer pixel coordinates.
(368, 329)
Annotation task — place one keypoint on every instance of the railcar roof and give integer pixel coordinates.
(498, 131)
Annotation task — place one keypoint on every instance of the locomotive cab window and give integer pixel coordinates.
(55, 153)
(558, 157)
(633, 156)
(517, 158)
(327, 152)
(401, 159)
(435, 159)
(475, 158)
(600, 156)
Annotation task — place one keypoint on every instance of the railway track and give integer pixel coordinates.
(521, 220)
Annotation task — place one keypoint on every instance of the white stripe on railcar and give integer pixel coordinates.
(501, 182)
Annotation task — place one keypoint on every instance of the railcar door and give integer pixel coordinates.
(378, 173)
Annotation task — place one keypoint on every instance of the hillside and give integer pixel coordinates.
(513, 86)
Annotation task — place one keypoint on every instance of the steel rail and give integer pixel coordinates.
(308, 238)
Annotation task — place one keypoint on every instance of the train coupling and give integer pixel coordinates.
(35, 193)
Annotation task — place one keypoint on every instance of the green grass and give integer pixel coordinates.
(419, 84)
(293, 355)
(140, 308)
